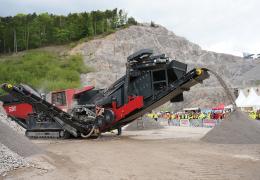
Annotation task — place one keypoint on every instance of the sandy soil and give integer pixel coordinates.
(140, 155)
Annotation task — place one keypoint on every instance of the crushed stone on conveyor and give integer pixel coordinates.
(237, 128)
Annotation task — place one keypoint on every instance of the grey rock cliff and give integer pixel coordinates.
(108, 56)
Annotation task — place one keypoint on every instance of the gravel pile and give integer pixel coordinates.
(10, 160)
(9, 122)
(143, 124)
(235, 129)
(12, 136)
(17, 142)
(13, 145)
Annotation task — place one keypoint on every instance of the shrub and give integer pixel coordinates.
(43, 70)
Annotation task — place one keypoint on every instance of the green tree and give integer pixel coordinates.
(26, 31)
(131, 21)
(61, 35)
(89, 26)
(45, 23)
(122, 17)
(34, 38)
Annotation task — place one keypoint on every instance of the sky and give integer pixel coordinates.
(226, 26)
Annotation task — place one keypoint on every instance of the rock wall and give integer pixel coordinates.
(108, 56)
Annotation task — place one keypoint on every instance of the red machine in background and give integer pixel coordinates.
(66, 99)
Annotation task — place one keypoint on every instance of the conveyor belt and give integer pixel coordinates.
(190, 79)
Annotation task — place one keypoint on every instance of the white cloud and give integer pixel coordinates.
(229, 26)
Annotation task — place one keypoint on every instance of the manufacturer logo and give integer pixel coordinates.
(12, 109)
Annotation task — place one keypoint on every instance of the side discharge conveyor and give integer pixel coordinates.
(150, 81)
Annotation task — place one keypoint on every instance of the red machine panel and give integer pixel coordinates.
(19, 110)
(64, 99)
(133, 104)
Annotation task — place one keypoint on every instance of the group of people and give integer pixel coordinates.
(194, 118)
(254, 115)
(187, 115)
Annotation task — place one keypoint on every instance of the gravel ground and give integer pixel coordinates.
(169, 132)
(143, 124)
(10, 160)
(137, 156)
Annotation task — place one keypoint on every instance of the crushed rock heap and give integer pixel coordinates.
(237, 128)
(14, 146)
(17, 142)
(9, 122)
(10, 160)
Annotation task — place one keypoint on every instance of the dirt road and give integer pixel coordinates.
(132, 156)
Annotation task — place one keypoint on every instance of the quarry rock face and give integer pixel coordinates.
(108, 57)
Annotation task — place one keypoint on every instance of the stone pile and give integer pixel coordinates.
(14, 146)
(10, 160)
(237, 128)
(10, 123)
